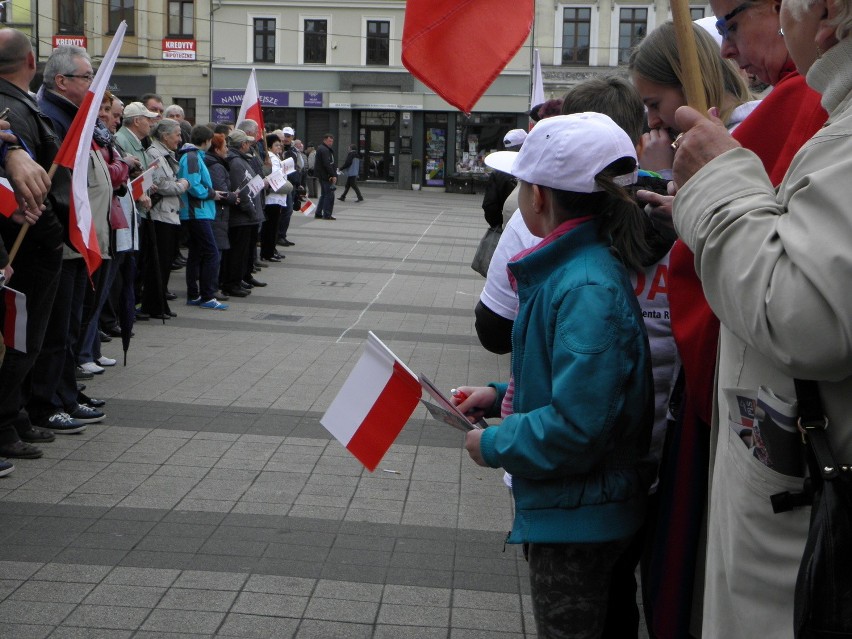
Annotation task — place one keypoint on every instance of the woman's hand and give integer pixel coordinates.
(657, 153)
(473, 401)
(704, 138)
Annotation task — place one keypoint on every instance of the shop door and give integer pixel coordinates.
(379, 160)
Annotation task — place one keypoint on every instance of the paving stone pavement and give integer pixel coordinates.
(212, 503)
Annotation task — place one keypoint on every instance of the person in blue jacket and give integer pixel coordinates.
(198, 210)
(578, 409)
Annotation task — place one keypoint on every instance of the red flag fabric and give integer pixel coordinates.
(250, 108)
(13, 314)
(74, 155)
(458, 47)
(142, 184)
(376, 400)
(8, 203)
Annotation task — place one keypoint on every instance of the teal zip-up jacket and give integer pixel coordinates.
(577, 442)
(197, 203)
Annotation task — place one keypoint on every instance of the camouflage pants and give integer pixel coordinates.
(570, 586)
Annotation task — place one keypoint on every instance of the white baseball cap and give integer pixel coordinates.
(566, 152)
(514, 138)
(288, 131)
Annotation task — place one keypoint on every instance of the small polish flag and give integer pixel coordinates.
(141, 185)
(8, 203)
(250, 108)
(14, 317)
(308, 208)
(376, 400)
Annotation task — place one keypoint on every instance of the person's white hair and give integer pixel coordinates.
(249, 126)
(844, 14)
(164, 127)
(173, 110)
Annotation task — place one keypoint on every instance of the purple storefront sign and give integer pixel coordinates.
(312, 99)
(234, 98)
(221, 115)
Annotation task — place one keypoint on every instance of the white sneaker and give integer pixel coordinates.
(106, 361)
(91, 367)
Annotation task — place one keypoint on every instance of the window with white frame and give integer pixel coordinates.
(632, 27)
(378, 43)
(576, 35)
(315, 40)
(264, 40)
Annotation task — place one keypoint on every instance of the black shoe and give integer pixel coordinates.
(274, 258)
(20, 450)
(114, 331)
(261, 263)
(161, 316)
(82, 398)
(81, 374)
(289, 243)
(319, 217)
(245, 285)
(238, 292)
(36, 435)
(341, 199)
(63, 424)
(142, 317)
(6, 467)
(254, 282)
(330, 217)
(172, 314)
(104, 337)
(222, 296)
(80, 387)
(170, 296)
(281, 242)
(360, 200)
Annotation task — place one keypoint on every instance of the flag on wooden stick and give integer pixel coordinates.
(74, 155)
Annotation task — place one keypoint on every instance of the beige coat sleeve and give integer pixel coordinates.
(776, 269)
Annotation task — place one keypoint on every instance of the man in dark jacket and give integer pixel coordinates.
(326, 172)
(38, 262)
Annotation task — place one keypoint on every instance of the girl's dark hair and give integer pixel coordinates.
(621, 219)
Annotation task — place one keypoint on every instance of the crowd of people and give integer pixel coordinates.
(214, 201)
(663, 293)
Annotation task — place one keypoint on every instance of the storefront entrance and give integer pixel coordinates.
(377, 137)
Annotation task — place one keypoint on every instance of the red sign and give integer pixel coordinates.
(77, 41)
(178, 49)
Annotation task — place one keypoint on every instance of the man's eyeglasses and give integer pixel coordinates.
(88, 77)
(722, 23)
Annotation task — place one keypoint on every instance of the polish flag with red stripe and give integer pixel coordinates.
(8, 203)
(74, 155)
(250, 108)
(142, 184)
(13, 312)
(374, 404)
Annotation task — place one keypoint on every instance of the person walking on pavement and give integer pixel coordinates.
(326, 171)
(352, 166)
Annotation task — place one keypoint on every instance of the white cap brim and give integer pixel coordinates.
(502, 160)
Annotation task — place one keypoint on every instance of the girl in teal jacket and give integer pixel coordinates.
(580, 403)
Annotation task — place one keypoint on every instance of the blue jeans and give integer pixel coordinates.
(90, 341)
(202, 261)
(325, 206)
(37, 276)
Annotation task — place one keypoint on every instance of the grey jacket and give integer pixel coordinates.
(166, 199)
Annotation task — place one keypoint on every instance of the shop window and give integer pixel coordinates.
(181, 16)
(435, 125)
(576, 35)
(632, 27)
(122, 10)
(477, 136)
(70, 16)
(316, 37)
(378, 42)
(264, 39)
(696, 13)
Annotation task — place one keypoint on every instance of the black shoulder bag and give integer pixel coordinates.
(823, 602)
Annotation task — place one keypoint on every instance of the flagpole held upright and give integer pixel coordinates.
(23, 232)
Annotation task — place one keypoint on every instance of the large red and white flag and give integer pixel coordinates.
(8, 203)
(376, 400)
(457, 48)
(250, 108)
(74, 155)
(13, 313)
